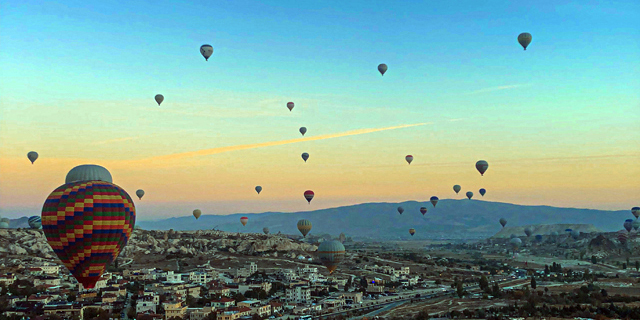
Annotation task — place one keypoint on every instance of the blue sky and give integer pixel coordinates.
(78, 80)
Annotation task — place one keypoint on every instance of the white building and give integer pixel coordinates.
(146, 303)
(198, 277)
(299, 294)
(247, 270)
(289, 274)
(173, 277)
(50, 268)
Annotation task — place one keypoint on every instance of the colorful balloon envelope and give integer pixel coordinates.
(622, 236)
(423, 210)
(244, 221)
(635, 211)
(408, 158)
(197, 213)
(434, 201)
(35, 222)
(309, 195)
(628, 225)
(290, 105)
(412, 231)
(88, 224)
(304, 226)
(482, 167)
(331, 254)
(206, 50)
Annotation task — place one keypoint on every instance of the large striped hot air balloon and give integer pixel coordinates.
(622, 236)
(309, 195)
(35, 222)
(434, 201)
(244, 220)
(87, 224)
(331, 254)
(304, 226)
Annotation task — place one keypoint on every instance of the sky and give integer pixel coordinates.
(558, 123)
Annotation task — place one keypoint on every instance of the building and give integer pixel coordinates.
(249, 303)
(174, 309)
(247, 270)
(173, 277)
(146, 303)
(299, 294)
(199, 313)
(65, 310)
(52, 269)
(198, 277)
(354, 297)
(46, 281)
(7, 279)
(223, 303)
(222, 291)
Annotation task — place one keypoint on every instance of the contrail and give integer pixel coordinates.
(497, 88)
(206, 152)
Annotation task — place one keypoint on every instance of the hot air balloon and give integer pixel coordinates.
(524, 39)
(575, 234)
(400, 210)
(342, 238)
(555, 233)
(539, 238)
(290, 105)
(88, 172)
(528, 231)
(159, 99)
(305, 156)
(265, 230)
(35, 222)
(469, 194)
(635, 211)
(622, 236)
(4, 224)
(197, 213)
(515, 243)
(206, 51)
(408, 158)
(635, 224)
(457, 188)
(628, 225)
(503, 222)
(382, 68)
(482, 167)
(140, 193)
(304, 226)
(33, 156)
(434, 201)
(258, 189)
(482, 191)
(88, 224)
(244, 220)
(309, 195)
(423, 210)
(513, 235)
(331, 254)
(412, 231)
(303, 130)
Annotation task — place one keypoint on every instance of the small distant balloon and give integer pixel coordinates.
(409, 158)
(457, 188)
(628, 225)
(35, 222)
(304, 226)
(206, 51)
(303, 130)
(482, 167)
(32, 156)
(244, 220)
(528, 231)
(423, 210)
(412, 231)
(140, 193)
(159, 98)
(503, 222)
(575, 234)
(539, 238)
(635, 211)
(469, 194)
(400, 210)
(258, 189)
(290, 105)
(309, 195)
(197, 213)
(483, 191)
(434, 201)
(265, 230)
(525, 39)
(305, 156)
(635, 224)
(382, 68)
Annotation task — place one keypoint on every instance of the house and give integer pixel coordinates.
(52, 269)
(109, 298)
(7, 279)
(173, 277)
(199, 313)
(249, 303)
(247, 270)
(222, 291)
(149, 316)
(355, 297)
(276, 307)
(198, 277)
(46, 280)
(35, 271)
(44, 299)
(146, 304)
(23, 308)
(174, 309)
(298, 294)
(261, 310)
(223, 303)
(66, 310)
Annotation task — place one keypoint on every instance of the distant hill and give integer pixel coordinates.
(451, 219)
(545, 229)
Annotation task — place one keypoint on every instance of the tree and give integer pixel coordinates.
(131, 313)
(594, 260)
(483, 283)
(624, 266)
(533, 282)
(364, 283)
(460, 289)
(637, 265)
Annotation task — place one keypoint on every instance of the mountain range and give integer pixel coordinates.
(450, 219)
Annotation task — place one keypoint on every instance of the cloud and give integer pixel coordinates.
(206, 152)
(497, 88)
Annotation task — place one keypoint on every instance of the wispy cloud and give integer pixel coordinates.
(497, 88)
(206, 152)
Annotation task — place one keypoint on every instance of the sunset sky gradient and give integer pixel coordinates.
(557, 123)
